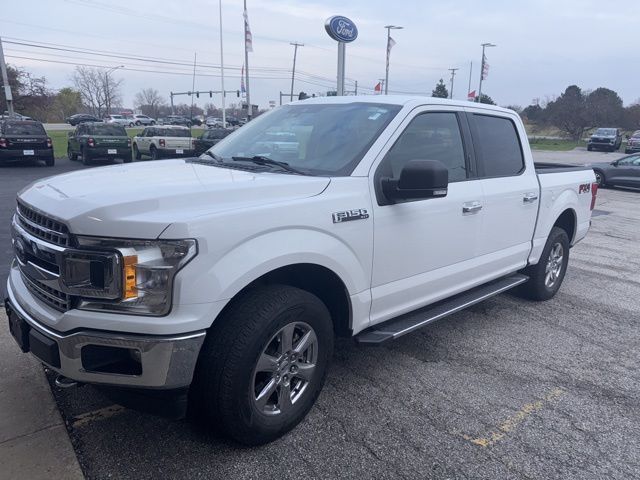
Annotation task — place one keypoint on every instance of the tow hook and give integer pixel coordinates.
(63, 382)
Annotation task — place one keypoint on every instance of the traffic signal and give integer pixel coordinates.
(210, 93)
(197, 94)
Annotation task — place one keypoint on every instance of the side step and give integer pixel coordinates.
(396, 327)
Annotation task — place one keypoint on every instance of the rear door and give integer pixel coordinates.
(510, 188)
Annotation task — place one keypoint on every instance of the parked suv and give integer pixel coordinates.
(605, 139)
(176, 120)
(633, 143)
(99, 140)
(117, 119)
(138, 120)
(164, 141)
(24, 140)
(209, 138)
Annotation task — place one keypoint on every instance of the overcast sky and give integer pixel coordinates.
(542, 45)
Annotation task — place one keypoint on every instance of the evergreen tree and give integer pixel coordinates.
(440, 91)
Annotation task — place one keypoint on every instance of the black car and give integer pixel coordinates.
(81, 118)
(605, 139)
(624, 172)
(25, 140)
(209, 138)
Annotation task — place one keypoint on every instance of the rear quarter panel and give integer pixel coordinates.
(560, 191)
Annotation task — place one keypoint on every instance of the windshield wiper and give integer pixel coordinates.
(214, 156)
(262, 160)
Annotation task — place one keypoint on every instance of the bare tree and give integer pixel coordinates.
(149, 101)
(98, 89)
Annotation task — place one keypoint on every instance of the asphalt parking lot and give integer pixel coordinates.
(507, 389)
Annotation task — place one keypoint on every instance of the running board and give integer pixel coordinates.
(396, 327)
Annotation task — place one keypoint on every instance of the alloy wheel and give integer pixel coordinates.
(554, 265)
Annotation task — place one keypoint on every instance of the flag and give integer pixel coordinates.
(390, 43)
(248, 38)
(243, 89)
(378, 87)
(471, 96)
(485, 68)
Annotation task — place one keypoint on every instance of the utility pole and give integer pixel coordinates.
(484, 45)
(247, 32)
(453, 74)
(293, 72)
(106, 87)
(193, 84)
(224, 108)
(389, 45)
(5, 81)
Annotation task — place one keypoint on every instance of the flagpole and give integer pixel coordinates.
(484, 45)
(470, 73)
(386, 75)
(246, 62)
(224, 108)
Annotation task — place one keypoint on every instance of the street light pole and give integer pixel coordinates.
(224, 108)
(106, 85)
(484, 45)
(293, 72)
(386, 76)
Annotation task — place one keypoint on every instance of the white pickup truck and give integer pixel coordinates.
(218, 283)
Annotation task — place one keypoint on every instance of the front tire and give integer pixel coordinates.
(263, 364)
(589, 148)
(545, 278)
(154, 153)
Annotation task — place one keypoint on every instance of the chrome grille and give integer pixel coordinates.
(52, 297)
(42, 226)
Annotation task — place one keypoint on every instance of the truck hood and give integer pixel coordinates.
(140, 200)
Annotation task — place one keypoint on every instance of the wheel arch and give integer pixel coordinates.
(567, 221)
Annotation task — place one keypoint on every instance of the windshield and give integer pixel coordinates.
(609, 132)
(175, 132)
(109, 130)
(319, 139)
(20, 128)
(215, 134)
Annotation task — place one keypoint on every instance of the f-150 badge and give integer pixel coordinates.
(348, 215)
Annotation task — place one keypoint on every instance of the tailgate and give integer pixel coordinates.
(110, 141)
(26, 141)
(178, 142)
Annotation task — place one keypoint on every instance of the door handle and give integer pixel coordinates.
(530, 197)
(471, 207)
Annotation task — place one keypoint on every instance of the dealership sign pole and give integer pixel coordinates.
(343, 31)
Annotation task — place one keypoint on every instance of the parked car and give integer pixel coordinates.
(117, 119)
(213, 122)
(139, 120)
(208, 139)
(605, 139)
(25, 140)
(14, 116)
(221, 281)
(163, 141)
(176, 120)
(80, 118)
(624, 172)
(92, 140)
(633, 143)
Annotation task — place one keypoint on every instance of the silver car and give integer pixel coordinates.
(137, 120)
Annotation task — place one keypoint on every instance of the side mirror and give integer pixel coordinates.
(418, 179)
(615, 163)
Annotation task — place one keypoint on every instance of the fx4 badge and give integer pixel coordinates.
(348, 215)
(584, 188)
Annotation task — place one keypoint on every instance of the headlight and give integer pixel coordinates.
(146, 273)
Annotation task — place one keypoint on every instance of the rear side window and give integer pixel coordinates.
(498, 145)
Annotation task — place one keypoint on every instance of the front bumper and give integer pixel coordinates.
(108, 358)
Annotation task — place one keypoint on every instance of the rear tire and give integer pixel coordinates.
(600, 179)
(136, 153)
(70, 155)
(263, 364)
(85, 156)
(545, 278)
(589, 148)
(50, 161)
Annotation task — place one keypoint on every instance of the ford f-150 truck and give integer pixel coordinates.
(219, 282)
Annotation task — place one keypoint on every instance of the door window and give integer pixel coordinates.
(498, 146)
(429, 136)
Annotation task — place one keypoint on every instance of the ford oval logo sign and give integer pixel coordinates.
(341, 29)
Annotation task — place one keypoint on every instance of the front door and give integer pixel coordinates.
(424, 249)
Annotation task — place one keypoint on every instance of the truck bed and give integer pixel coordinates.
(548, 167)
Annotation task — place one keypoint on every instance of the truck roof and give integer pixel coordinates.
(404, 100)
